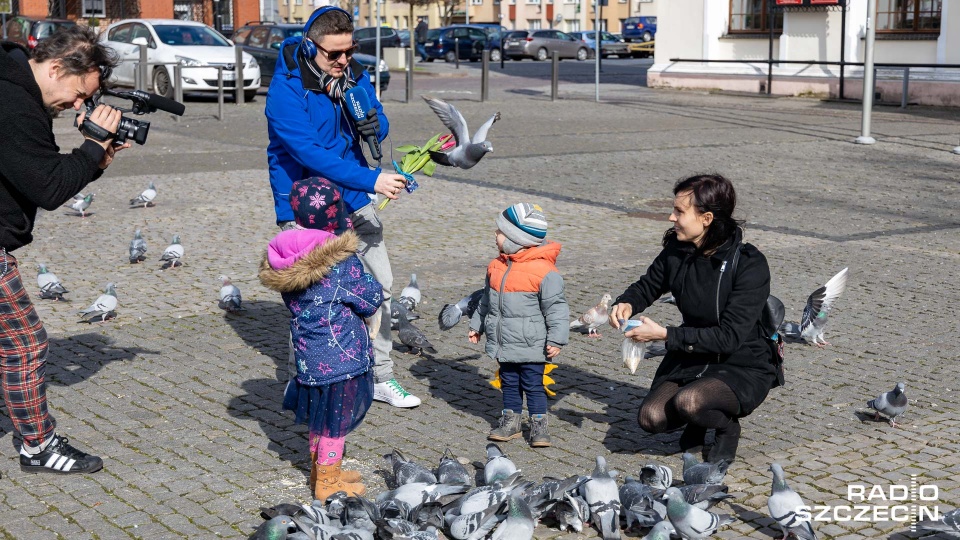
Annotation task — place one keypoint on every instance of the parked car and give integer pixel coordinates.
(609, 45)
(404, 37)
(469, 40)
(639, 28)
(493, 45)
(193, 45)
(262, 40)
(29, 31)
(540, 45)
(366, 38)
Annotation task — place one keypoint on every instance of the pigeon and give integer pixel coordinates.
(948, 522)
(519, 524)
(103, 307)
(451, 314)
(656, 475)
(474, 525)
(788, 509)
(408, 472)
(138, 248)
(660, 531)
(467, 152)
(593, 317)
(428, 514)
(451, 471)
(482, 497)
(638, 503)
(420, 492)
(892, 404)
(690, 522)
(603, 497)
(146, 197)
(276, 528)
(230, 298)
(81, 205)
(702, 473)
(705, 496)
(814, 319)
(410, 295)
(413, 337)
(50, 286)
(571, 513)
(173, 253)
(498, 466)
(395, 308)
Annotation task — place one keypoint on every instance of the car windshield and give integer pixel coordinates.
(47, 29)
(433, 34)
(189, 35)
(295, 32)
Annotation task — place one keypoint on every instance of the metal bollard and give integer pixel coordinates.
(555, 76)
(456, 51)
(238, 83)
(485, 77)
(409, 75)
(219, 92)
(177, 86)
(143, 69)
(906, 88)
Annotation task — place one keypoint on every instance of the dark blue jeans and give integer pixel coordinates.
(517, 380)
(422, 51)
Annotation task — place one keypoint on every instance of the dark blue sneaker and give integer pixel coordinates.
(59, 458)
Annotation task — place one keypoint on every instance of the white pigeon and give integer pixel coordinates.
(814, 320)
(410, 295)
(81, 205)
(103, 308)
(787, 508)
(174, 252)
(593, 317)
(146, 197)
(138, 248)
(230, 298)
(50, 286)
(467, 152)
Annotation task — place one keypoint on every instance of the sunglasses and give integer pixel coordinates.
(333, 56)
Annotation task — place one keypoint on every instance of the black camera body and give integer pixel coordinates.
(129, 128)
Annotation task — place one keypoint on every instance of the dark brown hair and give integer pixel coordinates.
(711, 193)
(78, 51)
(334, 21)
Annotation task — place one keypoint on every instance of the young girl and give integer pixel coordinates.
(316, 269)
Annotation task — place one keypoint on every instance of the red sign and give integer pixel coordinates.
(789, 2)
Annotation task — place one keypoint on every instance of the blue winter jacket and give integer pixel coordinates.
(310, 135)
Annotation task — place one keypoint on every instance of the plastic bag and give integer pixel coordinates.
(633, 351)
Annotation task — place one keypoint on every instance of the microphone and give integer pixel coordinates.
(358, 102)
(152, 100)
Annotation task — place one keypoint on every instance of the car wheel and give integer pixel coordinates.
(541, 54)
(161, 83)
(647, 36)
(582, 54)
(248, 95)
(495, 55)
(450, 56)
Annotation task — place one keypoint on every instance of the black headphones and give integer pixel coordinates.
(307, 46)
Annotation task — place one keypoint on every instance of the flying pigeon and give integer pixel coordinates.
(410, 295)
(50, 286)
(603, 496)
(702, 473)
(451, 314)
(467, 152)
(892, 404)
(413, 337)
(593, 317)
(146, 197)
(690, 522)
(81, 205)
(948, 522)
(138, 248)
(786, 507)
(173, 253)
(814, 319)
(230, 298)
(103, 307)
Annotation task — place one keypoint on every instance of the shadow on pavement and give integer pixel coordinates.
(265, 326)
(76, 358)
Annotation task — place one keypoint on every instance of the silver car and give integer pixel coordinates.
(540, 45)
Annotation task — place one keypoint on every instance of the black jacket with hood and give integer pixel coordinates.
(720, 336)
(33, 172)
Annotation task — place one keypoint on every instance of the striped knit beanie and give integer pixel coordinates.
(524, 225)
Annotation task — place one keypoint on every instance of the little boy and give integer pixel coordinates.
(525, 316)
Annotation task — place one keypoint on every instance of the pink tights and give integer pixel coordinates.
(328, 450)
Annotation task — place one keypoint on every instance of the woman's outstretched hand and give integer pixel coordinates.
(620, 312)
(649, 330)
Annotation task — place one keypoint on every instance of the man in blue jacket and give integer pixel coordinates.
(313, 134)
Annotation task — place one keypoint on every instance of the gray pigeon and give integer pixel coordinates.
(602, 495)
(420, 492)
(814, 319)
(451, 471)
(892, 404)
(412, 337)
(408, 472)
(660, 531)
(571, 513)
(138, 248)
(690, 522)
(474, 524)
(451, 314)
(656, 475)
(172, 255)
(230, 299)
(519, 524)
(498, 466)
(467, 152)
(395, 309)
(276, 528)
(146, 197)
(81, 205)
(638, 502)
(695, 472)
(482, 497)
(410, 295)
(705, 496)
(103, 307)
(50, 286)
(593, 318)
(785, 507)
(948, 522)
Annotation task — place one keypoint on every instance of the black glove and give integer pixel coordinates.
(369, 125)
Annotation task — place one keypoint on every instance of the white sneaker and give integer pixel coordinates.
(394, 394)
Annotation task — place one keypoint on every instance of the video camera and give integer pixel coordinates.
(129, 128)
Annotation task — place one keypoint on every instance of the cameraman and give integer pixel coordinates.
(63, 71)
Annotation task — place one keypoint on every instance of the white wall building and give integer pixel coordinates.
(916, 31)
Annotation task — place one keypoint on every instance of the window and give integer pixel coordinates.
(94, 8)
(299, 2)
(241, 35)
(275, 39)
(140, 30)
(120, 34)
(574, 25)
(477, 2)
(752, 16)
(533, 24)
(258, 38)
(909, 15)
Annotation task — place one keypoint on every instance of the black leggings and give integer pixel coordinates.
(708, 403)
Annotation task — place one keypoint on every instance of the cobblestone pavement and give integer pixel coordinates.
(183, 402)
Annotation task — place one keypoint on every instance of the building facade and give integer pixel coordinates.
(916, 32)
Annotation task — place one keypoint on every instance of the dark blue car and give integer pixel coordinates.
(639, 28)
(444, 43)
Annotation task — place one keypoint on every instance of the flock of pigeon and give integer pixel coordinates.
(104, 307)
(443, 503)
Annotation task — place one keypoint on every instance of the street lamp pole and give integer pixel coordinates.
(868, 78)
(217, 16)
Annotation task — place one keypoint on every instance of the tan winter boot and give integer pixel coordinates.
(330, 481)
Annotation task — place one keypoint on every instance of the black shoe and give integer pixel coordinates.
(726, 442)
(59, 458)
(692, 437)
